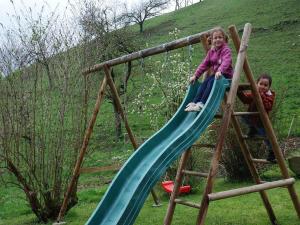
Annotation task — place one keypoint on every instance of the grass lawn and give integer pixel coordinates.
(247, 209)
(274, 47)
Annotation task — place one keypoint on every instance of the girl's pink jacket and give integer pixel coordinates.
(218, 60)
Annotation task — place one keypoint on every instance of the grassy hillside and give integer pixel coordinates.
(205, 15)
(274, 45)
(274, 48)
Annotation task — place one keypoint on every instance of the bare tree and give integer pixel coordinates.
(143, 10)
(184, 3)
(188, 2)
(37, 37)
(104, 42)
(177, 4)
(40, 129)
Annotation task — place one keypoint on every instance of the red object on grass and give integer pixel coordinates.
(169, 185)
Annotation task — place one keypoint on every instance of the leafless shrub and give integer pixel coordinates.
(41, 109)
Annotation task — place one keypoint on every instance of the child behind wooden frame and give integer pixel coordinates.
(253, 122)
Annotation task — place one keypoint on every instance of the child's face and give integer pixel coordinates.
(218, 39)
(263, 85)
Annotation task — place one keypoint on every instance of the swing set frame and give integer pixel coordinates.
(228, 116)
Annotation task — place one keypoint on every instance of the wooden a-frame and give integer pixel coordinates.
(106, 80)
(193, 39)
(229, 116)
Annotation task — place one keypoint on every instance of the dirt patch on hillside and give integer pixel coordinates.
(278, 26)
(163, 28)
(285, 23)
(290, 146)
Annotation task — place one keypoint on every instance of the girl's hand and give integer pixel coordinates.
(218, 75)
(193, 79)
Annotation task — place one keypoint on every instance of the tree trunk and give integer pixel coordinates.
(49, 76)
(127, 75)
(30, 194)
(46, 65)
(124, 86)
(141, 26)
(118, 124)
(177, 5)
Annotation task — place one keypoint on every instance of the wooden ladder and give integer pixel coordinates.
(229, 116)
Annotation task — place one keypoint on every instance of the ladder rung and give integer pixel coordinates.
(251, 189)
(204, 145)
(194, 173)
(100, 169)
(261, 161)
(254, 137)
(245, 113)
(244, 86)
(187, 203)
(219, 116)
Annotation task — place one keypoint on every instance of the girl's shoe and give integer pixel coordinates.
(190, 104)
(189, 108)
(195, 108)
(198, 107)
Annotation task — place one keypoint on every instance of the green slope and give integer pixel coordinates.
(274, 44)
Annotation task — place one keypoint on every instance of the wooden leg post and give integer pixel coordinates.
(214, 168)
(266, 122)
(122, 113)
(253, 171)
(178, 181)
(225, 124)
(83, 149)
(249, 160)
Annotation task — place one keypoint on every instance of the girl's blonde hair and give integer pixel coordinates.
(218, 29)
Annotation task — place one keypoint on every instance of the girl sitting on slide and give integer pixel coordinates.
(218, 58)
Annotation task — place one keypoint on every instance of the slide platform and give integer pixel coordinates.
(128, 191)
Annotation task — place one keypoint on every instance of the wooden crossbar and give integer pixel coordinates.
(99, 169)
(220, 116)
(261, 161)
(194, 173)
(256, 137)
(190, 40)
(187, 203)
(203, 145)
(245, 113)
(251, 189)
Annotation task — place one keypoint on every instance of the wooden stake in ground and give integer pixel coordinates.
(121, 111)
(267, 123)
(83, 149)
(224, 126)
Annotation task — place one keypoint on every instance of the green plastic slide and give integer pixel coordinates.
(128, 191)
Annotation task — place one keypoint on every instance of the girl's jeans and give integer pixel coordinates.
(204, 90)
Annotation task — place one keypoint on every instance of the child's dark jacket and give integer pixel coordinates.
(267, 99)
